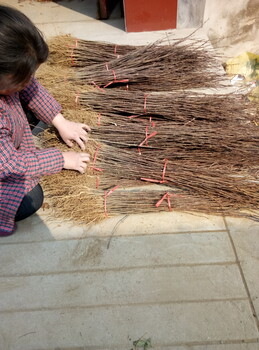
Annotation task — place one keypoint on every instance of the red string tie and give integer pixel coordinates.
(163, 175)
(106, 194)
(77, 97)
(96, 169)
(134, 116)
(164, 169)
(165, 196)
(152, 180)
(72, 51)
(115, 80)
(99, 119)
(98, 87)
(94, 160)
(147, 138)
(146, 135)
(153, 124)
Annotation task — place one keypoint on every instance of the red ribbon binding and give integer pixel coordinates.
(77, 97)
(165, 196)
(115, 80)
(145, 103)
(94, 160)
(98, 87)
(146, 138)
(72, 52)
(106, 194)
(163, 175)
(99, 119)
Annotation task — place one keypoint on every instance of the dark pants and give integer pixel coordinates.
(31, 202)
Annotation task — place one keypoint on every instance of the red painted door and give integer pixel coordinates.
(147, 15)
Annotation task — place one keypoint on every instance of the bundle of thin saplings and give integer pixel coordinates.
(56, 80)
(222, 143)
(220, 182)
(178, 106)
(198, 175)
(69, 51)
(184, 64)
(79, 201)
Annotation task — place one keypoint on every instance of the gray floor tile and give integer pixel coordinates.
(137, 286)
(124, 252)
(166, 324)
(245, 235)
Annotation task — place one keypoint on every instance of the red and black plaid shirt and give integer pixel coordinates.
(21, 164)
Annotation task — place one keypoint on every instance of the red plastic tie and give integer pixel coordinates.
(95, 154)
(106, 194)
(94, 160)
(96, 169)
(163, 175)
(99, 119)
(72, 51)
(165, 196)
(133, 116)
(98, 87)
(77, 97)
(147, 137)
(165, 164)
(115, 80)
(152, 180)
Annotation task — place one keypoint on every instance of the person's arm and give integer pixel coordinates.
(37, 99)
(18, 164)
(46, 108)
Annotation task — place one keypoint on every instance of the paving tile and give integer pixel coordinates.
(239, 346)
(90, 30)
(165, 222)
(124, 252)
(245, 235)
(143, 285)
(63, 11)
(44, 226)
(116, 325)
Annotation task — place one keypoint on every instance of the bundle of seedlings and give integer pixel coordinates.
(184, 64)
(221, 182)
(222, 143)
(92, 205)
(56, 81)
(68, 51)
(175, 106)
(118, 201)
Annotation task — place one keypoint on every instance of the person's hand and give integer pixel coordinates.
(76, 161)
(71, 131)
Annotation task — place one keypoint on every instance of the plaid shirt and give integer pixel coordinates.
(21, 164)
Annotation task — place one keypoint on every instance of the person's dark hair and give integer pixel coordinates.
(22, 47)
